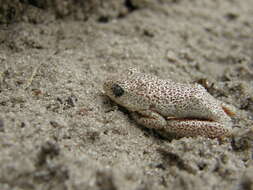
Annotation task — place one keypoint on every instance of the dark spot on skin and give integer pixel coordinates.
(1, 125)
(117, 90)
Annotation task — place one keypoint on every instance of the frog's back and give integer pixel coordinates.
(163, 96)
(174, 99)
(168, 97)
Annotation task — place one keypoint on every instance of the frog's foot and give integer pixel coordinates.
(228, 109)
(149, 119)
(194, 127)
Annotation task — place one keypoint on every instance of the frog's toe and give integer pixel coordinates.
(228, 109)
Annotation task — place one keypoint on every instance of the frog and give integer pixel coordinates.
(183, 109)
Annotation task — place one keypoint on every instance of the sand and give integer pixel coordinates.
(59, 131)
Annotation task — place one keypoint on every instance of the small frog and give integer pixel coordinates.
(178, 108)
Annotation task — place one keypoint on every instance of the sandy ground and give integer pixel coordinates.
(58, 130)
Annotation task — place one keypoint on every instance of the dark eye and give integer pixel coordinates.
(117, 90)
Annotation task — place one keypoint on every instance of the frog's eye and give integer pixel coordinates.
(117, 90)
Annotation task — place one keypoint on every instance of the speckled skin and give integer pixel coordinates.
(183, 109)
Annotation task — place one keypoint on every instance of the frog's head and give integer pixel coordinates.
(122, 89)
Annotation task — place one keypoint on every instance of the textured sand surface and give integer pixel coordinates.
(58, 130)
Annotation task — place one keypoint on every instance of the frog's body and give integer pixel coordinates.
(184, 109)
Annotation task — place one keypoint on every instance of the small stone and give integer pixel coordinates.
(172, 57)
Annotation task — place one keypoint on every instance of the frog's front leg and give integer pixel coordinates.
(195, 127)
(149, 119)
